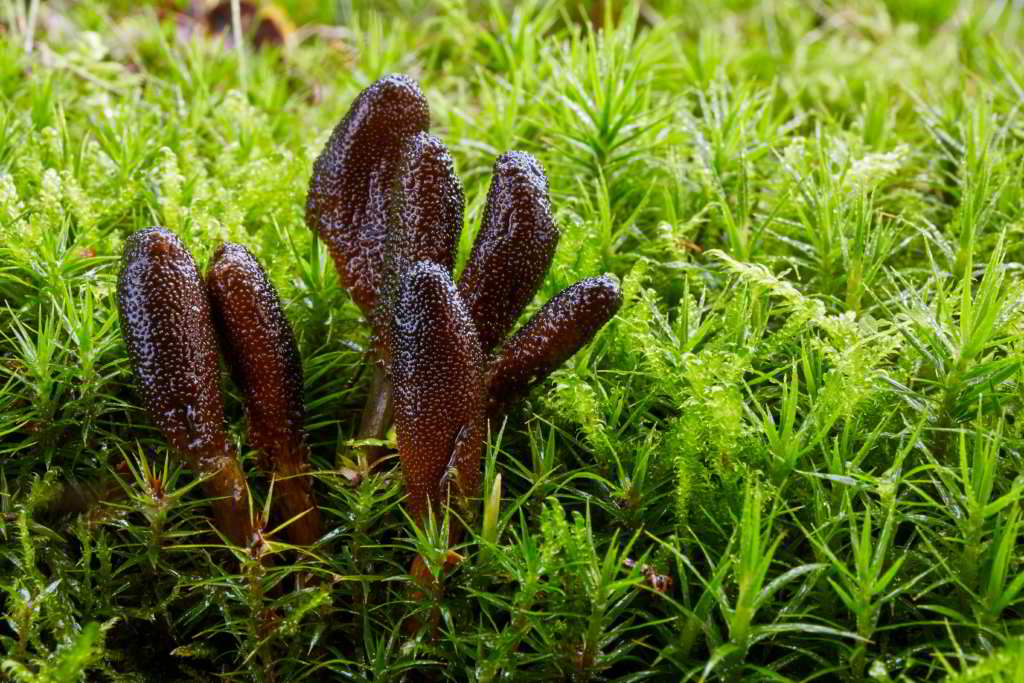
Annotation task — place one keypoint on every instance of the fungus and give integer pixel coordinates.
(427, 205)
(259, 346)
(349, 207)
(447, 329)
(439, 391)
(348, 202)
(513, 250)
(386, 200)
(168, 331)
(510, 257)
(558, 330)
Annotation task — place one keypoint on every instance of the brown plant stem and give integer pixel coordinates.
(293, 494)
(378, 415)
(425, 586)
(227, 487)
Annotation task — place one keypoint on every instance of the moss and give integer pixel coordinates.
(805, 412)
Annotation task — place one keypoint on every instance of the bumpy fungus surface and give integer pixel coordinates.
(552, 336)
(385, 198)
(349, 193)
(513, 249)
(168, 331)
(260, 349)
(439, 390)
(428, 204)
(427, 209)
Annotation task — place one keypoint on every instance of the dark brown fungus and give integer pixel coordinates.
(349, 206)
(167, 329)
(259, 346)
(439, 391)
(348, 203)
(428, 204)
(558, 330)
(513, 249)
(427, 210)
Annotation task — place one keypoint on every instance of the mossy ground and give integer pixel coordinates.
(806, 414)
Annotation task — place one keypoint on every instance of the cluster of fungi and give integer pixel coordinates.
(385, 200)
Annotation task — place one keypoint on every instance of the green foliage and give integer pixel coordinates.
(795, 453)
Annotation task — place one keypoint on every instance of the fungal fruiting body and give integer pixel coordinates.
(510, 257)
(439, 391)
(168, 331)
(348, 203)
(553, 335)
(427, 209)
(427, 204)
(512, 251)
(385, 198)
(260, 348)
(349, 206)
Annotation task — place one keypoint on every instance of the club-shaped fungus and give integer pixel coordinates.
(168, 331)
(259, 346)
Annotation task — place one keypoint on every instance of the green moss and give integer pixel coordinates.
(805, 414)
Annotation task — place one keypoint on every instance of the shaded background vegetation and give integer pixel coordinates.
(794, 454)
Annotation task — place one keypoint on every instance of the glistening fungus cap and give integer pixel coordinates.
(348, 203)
(439, 390)
(513, 249)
